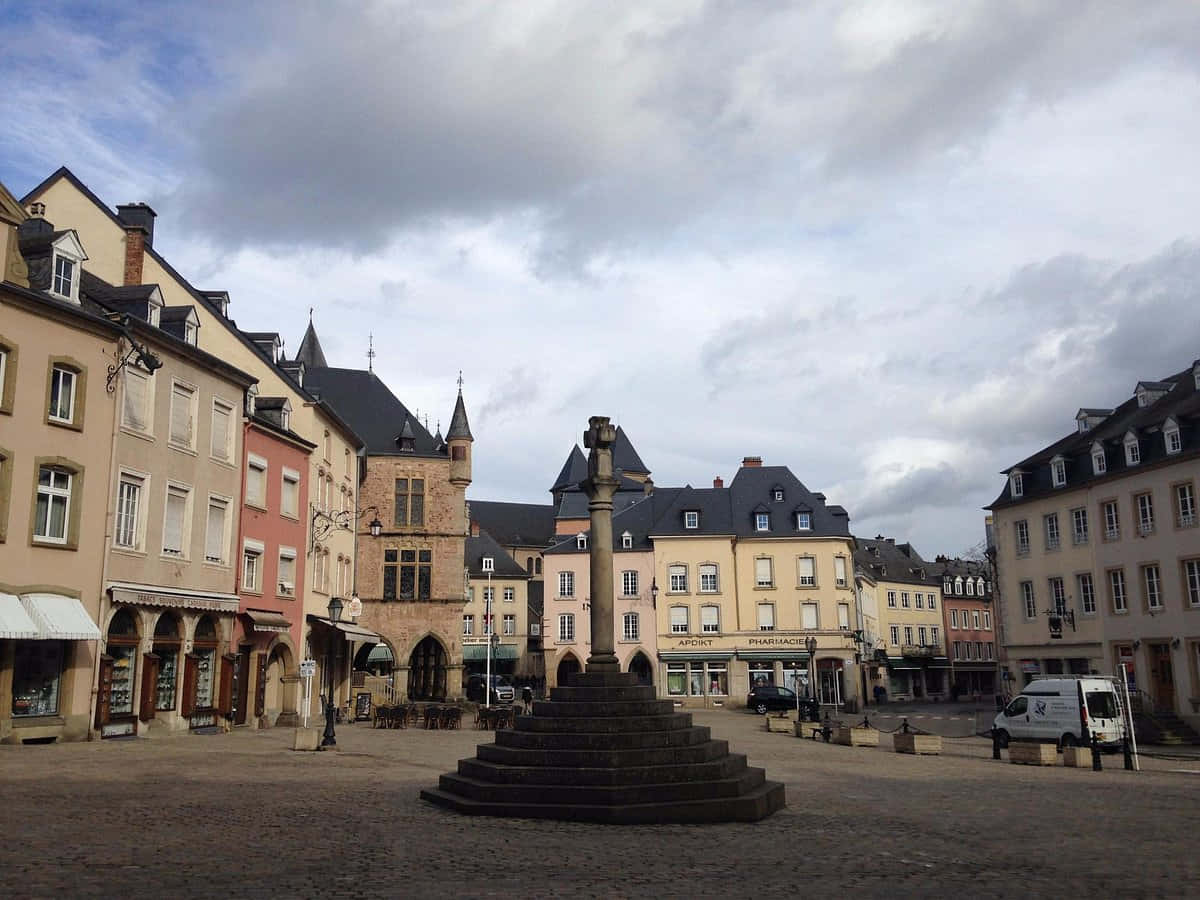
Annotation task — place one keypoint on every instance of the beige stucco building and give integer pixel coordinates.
(497, 603)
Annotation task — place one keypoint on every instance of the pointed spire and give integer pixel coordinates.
(460, 429)
(310, 352)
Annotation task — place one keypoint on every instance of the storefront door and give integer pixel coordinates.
(1163, 676)
(241, 682)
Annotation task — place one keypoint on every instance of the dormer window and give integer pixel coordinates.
(251, 399)
(154, 311)
(1099, 460)
(691, 519)
(1016, 484)
(68, 257)
(285, 417)
(581, 541)
(970, 588)
(64, 276)
(778, 494)
(190, 330)
(626, 541)
(1058, 471)
(804, 521)
(958, 585)
(1171, 436)
(948, 586)
(1133, 452)
(762, 522)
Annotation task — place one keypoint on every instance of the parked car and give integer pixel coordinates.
(502, 689)
(771, 697)
(1066, 711)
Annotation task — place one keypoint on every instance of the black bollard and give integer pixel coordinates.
(904, 724)
(1128, 753)
(1096, 766)
(866, 722)
(995, 743)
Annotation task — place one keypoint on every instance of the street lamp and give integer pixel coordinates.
(489, 565)
(810, 644)
(335, 614)
(654, 593)
(376, 526)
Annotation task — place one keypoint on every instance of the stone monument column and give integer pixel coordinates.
(600, 486)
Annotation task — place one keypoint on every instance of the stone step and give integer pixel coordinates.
(584, 740)
(610, 795)
(609, 724)
(499, 773)
(592, 694)
(750, 807)
(603, 680)
(705, 752)
(603, 707)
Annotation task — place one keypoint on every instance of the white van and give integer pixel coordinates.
(1066, 711)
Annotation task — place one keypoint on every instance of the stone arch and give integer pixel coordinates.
(282, 692)
(378, 659)
(640, 665)
(428, 665)
(567, 666)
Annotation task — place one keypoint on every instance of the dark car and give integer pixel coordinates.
(771, 697)
(502, 689)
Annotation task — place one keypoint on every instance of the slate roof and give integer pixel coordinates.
(310, 352)
(884, 560)
(574, 470)
(484, 544)
(1182, 402)
(515, 524)
(176, 313)
(372, 410)
(574, 504)
(754, 485)
(625, 457)
(459, 429)
(638, 518)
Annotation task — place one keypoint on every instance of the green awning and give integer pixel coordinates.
(478, 652)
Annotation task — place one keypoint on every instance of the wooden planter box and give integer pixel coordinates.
(1078, 757)
(780, 724)
(856, 737)
(930, 744)
(1030, 754)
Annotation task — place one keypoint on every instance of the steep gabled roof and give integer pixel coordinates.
(515, 524)
(574, 470)
(886, 561)
(638, 518)
(372, 410)
(459, 429)
(625, 457)
(753, 486)
(310, 352)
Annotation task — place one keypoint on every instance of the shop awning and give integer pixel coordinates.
(265, 620)
(789, 655)
(685, 655)
(352, 632)
(478, 652)
(153, 595)
(15, 624)
(901, 663)
(60, 618)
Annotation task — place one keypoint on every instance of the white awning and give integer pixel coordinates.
(265, 620)
(15, 624)
(60, 618)
(353, 632)
(153, 595)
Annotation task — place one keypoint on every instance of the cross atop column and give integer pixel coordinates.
(599, 439)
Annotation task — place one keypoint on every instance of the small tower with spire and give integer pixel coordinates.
(459, 441)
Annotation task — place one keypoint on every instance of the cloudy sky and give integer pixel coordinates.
(892, 245)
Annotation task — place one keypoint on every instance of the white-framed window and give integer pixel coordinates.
(803, 521)
(1116, 591)
(948, 585)
(1028, 601)
(130, 497)
(256, 481)
(894, 634)
(1021, 526)
(1016, 484)
(216, 536)
(922, 635)
(1058, 596)
(806, 571)
(1171, 437)
(1050, 523)
(844, 616)
(3, 370)
(808, 616)
(987, 620)
(970, 585)
(958, 585)
(629, 583)
(762, 521)
(487, 624)
(222, 429)
(931, 599)
(764, 576)
(1099, 459)
(136, 401)
(1079, 525)
(908, 635)
(679, 620)
(287, 572)
(1152, 583)
(839, 570)
(1133, 452)
(63, 381)
(53, 513)
(975, 619)
(509, 624)
(905, 600)
(489, 595)
(183, 416)
(566, 584)
(1058, 472)
(176, 516)
(630, 627)
(677, 579)
(289, 495)
(1185, 505)
(252, 554)
(954, 618)
(1112, 521)
(934, 636)
(1191, 581)
(581, 542)
(66, 275)
(919, 598)
(566, 627)
(468, 624)
(958, 649)
(626, 541)
(509, 594)
(778, 493)
(891, 599)
(691, 519)
(1087, 593)
(1145, 510)
(710, 619)
(766, 617)
(709, 584)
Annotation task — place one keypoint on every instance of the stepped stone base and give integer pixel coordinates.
(605, 749)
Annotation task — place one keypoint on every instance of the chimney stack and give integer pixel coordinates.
(751, 462)
(138, 219)
(718, 482)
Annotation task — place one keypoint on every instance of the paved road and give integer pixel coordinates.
(241, 815)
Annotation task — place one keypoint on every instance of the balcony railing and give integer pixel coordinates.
(1187, 521)
(921, 650)
(1052, 543)
(1080, 537)
(1145, 528)
(1112, 534)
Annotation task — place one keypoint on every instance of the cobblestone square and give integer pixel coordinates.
(243, 815)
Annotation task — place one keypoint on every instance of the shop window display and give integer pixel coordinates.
(122, 648)
(676, 679)
(166, 647)
(37, 672)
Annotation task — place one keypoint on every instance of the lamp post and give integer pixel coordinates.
(489, 565)
(810, 644)
(335, 614)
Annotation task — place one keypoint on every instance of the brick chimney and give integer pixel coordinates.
(718, 482)
(138, 219)
(751, 462)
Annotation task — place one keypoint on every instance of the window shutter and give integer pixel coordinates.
(134, 414)
(708, 616)
(150, 664)
(766, 615)
(215, 539)
(679, 615)
(810, 615)
(220, 432)
(181, 415)
(254, 485)
(762, 572)
(839, 569)
(173, 528)
(843, 615)
(225, 702)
